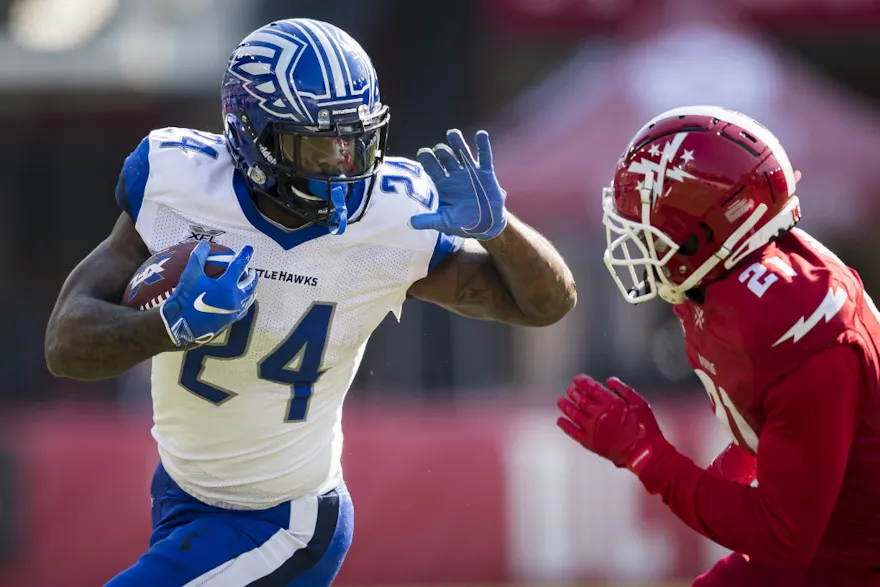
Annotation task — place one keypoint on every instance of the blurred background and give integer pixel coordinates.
(456, 467)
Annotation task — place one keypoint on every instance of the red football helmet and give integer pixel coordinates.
(697, 190)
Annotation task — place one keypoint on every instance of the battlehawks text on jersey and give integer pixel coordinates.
(254, 418)
(788, 302)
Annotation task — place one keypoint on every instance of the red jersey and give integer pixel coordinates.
(787, 348)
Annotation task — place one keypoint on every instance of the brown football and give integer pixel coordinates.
(158, 276)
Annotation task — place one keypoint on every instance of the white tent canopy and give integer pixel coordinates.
(557, 148)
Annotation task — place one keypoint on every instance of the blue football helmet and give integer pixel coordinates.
(303, 118)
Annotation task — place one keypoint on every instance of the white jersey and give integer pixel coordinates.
(254, 418)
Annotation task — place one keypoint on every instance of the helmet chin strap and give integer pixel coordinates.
(338, 191)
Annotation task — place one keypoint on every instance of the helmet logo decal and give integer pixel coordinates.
(345, 79)
(267, 61)
(265, 64)
(655, 174)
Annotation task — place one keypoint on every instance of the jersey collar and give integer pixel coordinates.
(287, 239)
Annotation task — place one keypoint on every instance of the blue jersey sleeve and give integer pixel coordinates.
(133, 179)
(446, 245)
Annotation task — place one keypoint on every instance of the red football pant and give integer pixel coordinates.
(738, 570)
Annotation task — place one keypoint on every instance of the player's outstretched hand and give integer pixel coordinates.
(200, 307)
(614, 422)
(471, 200)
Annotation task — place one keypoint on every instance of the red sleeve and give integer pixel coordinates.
(735, 464)
(802, 454)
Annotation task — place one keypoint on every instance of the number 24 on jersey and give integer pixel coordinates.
(304, 347)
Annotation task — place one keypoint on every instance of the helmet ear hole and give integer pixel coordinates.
(707, 232)
(690, 245)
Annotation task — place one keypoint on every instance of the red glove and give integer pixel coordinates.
(614, 422)
(734, 463)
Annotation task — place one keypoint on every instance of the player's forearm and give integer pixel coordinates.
(89, 339)
(803, 451)
(534, 272)
(736, 516)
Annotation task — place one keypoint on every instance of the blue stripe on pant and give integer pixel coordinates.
(301, 543)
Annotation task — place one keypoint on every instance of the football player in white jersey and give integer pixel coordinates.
(330, 236)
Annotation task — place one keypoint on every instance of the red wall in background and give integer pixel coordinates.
(437, 492)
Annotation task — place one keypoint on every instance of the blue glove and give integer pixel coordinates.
(201, 307)
(471, 200)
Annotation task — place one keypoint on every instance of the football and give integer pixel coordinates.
(158, 276)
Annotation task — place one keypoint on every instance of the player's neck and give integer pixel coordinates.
(277, 215)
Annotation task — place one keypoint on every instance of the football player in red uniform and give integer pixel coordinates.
(781, 333)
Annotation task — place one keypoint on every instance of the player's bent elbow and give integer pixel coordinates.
(553, 313)
(567, 302)
(61, 367)
(57, 359)
(61, 360)
(54, 354)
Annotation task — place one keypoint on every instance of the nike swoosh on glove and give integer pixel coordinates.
(614, 422)
(201, 307)
(471, 199)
